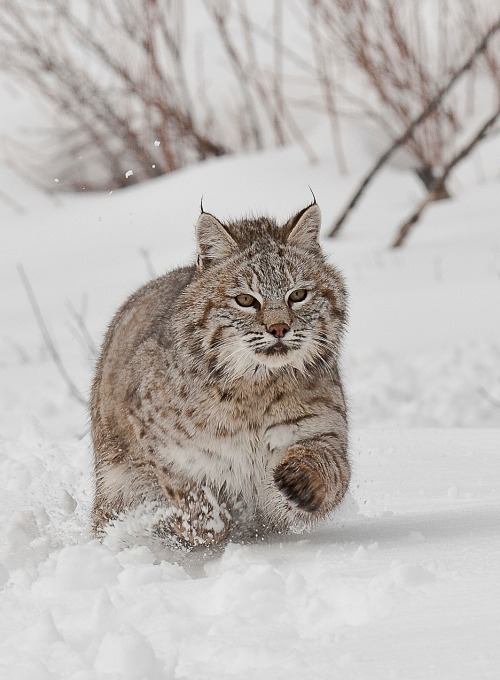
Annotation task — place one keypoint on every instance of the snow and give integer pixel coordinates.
(403, 582)
(409, 562)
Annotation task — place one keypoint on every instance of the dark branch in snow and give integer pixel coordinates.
(439, 182)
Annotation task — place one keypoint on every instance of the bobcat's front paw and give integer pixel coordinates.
(299, 482)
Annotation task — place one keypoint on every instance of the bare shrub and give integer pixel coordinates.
(119, 74)
(261, 64)
(401, 53)
(114, 71)
(436, 187)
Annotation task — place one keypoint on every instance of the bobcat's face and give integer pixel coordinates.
(281, 309)
(263, 298)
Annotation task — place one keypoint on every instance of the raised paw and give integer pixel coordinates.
(300, 484)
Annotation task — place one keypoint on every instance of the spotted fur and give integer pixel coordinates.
(231, 417)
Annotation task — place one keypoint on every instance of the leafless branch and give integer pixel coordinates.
(147, 261)
(408, 133)
(83, 333)
(439, 182)
(11, 202)
(138, 93)
(219, 13)
(484, 393)
(47, 338)
(327, 86)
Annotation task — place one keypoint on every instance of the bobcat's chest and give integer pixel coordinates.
(227, 440)
(240, 461)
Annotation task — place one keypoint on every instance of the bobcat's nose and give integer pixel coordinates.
(279, 330)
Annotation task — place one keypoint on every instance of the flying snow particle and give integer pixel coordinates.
(129, 173)
(157, 142)
(56, 180)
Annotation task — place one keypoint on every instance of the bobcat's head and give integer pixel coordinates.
(263, 297)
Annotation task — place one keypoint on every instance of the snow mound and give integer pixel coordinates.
(396, 559)
(452, 387)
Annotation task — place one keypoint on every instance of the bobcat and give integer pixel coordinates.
(217, 396)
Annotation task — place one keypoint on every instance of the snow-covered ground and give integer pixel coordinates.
(403, 583)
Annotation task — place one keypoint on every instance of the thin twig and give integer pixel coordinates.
(47, 338)
(488, 397)
(328, 89)
(279, 103)
(226, 36)
(148, 262)
(84, 335)
(11, 202)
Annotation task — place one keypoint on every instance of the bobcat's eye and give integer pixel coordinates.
(298, 295)
(245, 300)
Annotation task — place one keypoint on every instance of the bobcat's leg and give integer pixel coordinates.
(197, 517)
(194, 515)
(313, 476)
(122, 484)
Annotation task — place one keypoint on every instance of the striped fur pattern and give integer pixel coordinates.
(217, 395)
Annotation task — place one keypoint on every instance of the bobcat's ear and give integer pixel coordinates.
(303, 228)
(214, 241)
